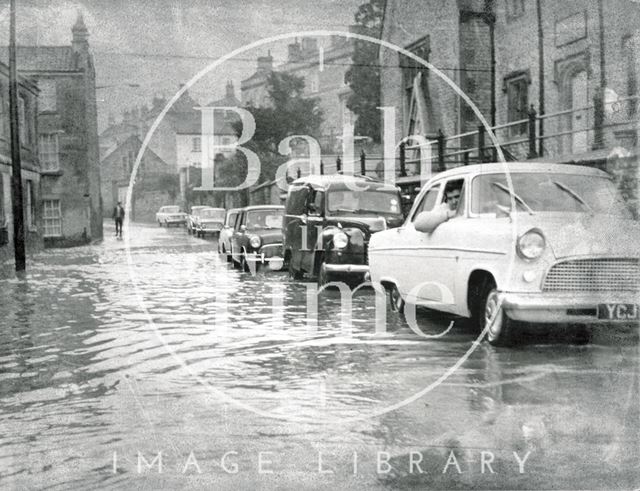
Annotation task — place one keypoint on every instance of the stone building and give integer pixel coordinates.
(31, 179)
(573, 62)
(68, 137)
(323, 69)
(153, 175)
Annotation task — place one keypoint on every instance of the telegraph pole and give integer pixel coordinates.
(14, 124)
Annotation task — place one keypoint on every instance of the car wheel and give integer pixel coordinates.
(227, 255)
(294, 274)
(323, 276)
(501, 327)
(244, 266)
(395, 300)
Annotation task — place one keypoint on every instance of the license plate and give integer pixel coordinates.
(618, 311)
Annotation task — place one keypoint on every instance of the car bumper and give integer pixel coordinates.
(175, 221)
(346, 263)
(574, 307)
(210, 230)
(267, 254)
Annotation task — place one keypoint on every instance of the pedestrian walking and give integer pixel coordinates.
(118, 216)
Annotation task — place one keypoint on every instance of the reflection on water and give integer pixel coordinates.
(91, 364)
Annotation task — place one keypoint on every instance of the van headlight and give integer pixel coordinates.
(340, 240)
(255, 241)
(531, 244)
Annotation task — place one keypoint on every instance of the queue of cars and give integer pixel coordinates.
(499, 244)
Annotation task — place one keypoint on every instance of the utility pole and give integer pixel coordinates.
(14, 124)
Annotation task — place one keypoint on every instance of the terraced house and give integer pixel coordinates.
(27, 110)
(555, 81)
(67, 140)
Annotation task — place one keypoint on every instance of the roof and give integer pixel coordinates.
(43, 58)
(191, 124)
(545, 167)
(338, 180)
(261, 207)
(227, 101)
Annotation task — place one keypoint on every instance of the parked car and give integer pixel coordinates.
(328, 224)
(224, 240)
(191, 217)
(559, 247)
(257, 237)
(209, 221)
(170, 215)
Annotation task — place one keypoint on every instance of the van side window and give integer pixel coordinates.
(317, 205)
(297, 200)
(428, 201)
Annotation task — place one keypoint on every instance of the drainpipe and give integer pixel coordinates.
(540, 79)
(598, 139)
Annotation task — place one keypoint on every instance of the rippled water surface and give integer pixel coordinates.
(108, 359)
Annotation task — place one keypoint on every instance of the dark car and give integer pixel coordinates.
(328, 224)
(257, 237)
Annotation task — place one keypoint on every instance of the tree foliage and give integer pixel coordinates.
(364, 74)
(290, 113)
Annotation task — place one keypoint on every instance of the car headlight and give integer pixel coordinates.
(255, 241)
(531, 244)
(340, 240)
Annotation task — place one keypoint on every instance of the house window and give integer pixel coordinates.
(196, 144)
(411, 68)
(52, 217)
(314, 83)
(517, 89)
(47, 97)
(29, 204)
(515, 9)
(22, 119)
(48, 146)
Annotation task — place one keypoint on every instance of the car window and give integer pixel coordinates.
(428, 200)
(231, 219)
(212, 213)
(297, 200)
(547, 192)
(348, 201)
(317, 203)
(264, 219)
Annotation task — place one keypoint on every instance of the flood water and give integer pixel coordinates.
(116, 354)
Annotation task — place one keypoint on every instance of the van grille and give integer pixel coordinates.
(592, 275)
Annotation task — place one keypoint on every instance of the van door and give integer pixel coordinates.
(294, 220)
(314, 228)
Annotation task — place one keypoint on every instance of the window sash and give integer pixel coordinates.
(52, 218)
(48, 146)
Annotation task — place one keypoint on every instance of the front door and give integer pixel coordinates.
(579, 116)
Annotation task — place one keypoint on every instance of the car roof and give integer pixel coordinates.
(213, 208)
(337, 181)
(501, 167)
(199, 206)
(262, 207)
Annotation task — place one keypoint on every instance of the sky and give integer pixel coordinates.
(160, 44)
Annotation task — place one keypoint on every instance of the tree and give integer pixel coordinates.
(290, 113)
(364, 74)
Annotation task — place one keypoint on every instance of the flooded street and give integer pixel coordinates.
(120, 353)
